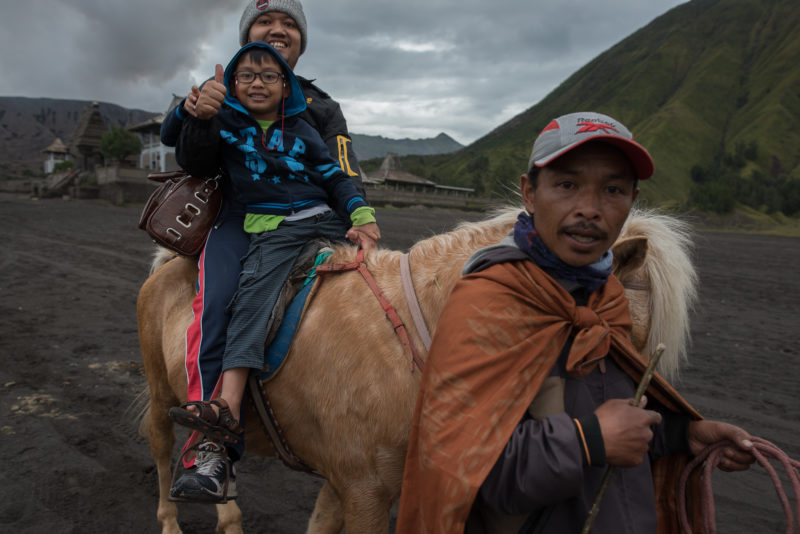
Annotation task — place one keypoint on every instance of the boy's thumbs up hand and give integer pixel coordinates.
(212, 94)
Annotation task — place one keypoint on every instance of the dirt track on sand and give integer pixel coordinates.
(70, 366)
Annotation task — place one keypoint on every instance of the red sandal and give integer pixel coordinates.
(221, 426)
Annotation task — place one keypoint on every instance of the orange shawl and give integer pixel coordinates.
(499, 335)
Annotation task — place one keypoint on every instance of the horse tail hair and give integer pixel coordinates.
(138, 411)
(160, 257)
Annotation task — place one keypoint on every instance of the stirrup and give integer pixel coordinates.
(224, 428)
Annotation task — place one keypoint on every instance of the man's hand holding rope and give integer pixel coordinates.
(738, 457)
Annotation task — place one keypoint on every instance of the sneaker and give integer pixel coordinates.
(207, 481)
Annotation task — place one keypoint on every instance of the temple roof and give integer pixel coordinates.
(90, 129)
(57, 147)
(391, 171)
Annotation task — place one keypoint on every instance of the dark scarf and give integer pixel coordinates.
(592, 277)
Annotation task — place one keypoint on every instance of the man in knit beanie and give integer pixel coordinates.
(255, 9)
(281, 24)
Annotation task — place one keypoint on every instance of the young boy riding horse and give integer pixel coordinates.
(281, 170)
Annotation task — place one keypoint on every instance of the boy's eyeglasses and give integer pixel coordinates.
(267, 76)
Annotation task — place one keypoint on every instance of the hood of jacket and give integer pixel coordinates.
(295, 104)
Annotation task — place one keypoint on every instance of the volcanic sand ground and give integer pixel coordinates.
(72, 461)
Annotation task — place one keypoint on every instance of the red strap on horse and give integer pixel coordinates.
(391, 314)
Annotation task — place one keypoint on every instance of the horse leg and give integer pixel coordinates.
(328, 516)
(366, 509)
(229, 518)
(162, 440)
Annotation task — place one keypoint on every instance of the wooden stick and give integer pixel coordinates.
(637, 398)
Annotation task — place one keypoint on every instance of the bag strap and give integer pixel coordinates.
(164, 176)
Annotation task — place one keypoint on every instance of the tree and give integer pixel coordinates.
(713, 196)
(790, 194)
(119, 143)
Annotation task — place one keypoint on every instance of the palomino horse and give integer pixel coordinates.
(353, 424)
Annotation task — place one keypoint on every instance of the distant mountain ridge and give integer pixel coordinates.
(28, 125)
(377, 146)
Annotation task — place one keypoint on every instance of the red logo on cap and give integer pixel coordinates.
(262, 4)
(552, 126)
(595, 126)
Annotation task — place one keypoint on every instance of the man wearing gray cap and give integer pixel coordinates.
(282, 24)
(526, 395)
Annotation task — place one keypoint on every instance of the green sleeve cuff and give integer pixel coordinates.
(362, 215)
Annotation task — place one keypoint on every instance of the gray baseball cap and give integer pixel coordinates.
(571, 131)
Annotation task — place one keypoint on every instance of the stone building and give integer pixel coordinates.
(84, 146)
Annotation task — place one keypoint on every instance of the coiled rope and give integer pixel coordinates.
(763, 451)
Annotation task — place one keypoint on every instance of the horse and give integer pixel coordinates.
(353, 425)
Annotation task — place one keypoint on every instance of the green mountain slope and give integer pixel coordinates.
(696, 82)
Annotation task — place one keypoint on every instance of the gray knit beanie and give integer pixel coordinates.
(256, 8)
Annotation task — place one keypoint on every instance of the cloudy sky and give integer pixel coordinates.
(399, 69)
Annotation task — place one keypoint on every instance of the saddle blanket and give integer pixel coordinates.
(277, 351)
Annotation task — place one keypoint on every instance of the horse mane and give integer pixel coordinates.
(673, 283)
(443, 253)
(669, 268)
(470, 236)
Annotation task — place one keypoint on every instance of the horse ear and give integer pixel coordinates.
(629, 254)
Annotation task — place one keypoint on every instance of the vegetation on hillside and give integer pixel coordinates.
(701, 87)
(733, 178)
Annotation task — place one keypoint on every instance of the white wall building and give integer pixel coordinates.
(56, 153)
(155, 156)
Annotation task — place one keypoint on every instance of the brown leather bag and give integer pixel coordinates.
(180, 213)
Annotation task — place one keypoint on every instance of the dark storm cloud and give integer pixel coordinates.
(101, 49)
(475, 63)
(399, 69)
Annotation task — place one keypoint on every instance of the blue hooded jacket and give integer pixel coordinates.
(280, 171)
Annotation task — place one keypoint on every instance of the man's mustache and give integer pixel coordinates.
(586, 228)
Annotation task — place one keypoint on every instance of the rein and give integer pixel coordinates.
(391, 314)
(413, 302)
